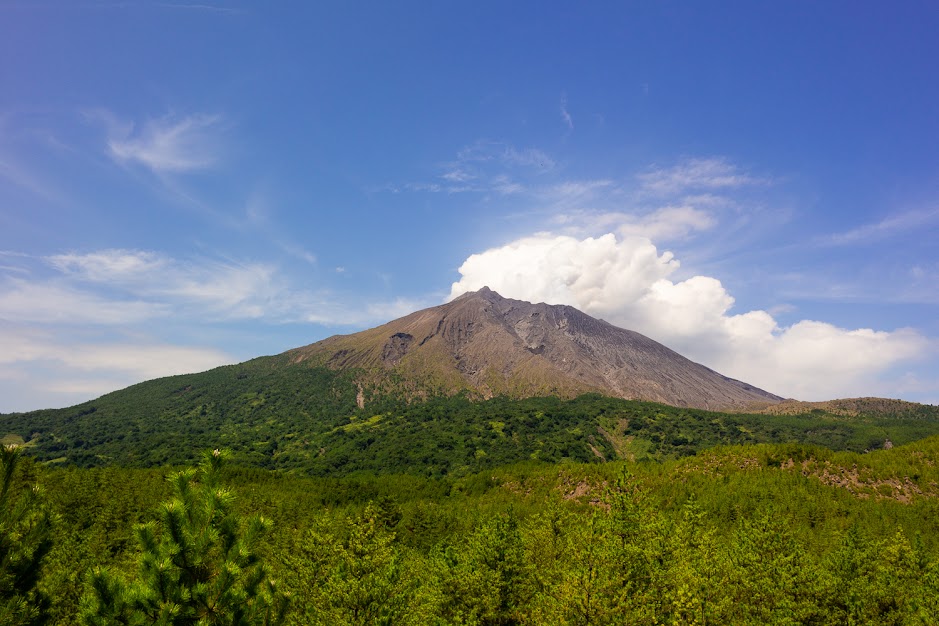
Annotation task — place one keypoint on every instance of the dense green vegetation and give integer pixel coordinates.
(25, 539)
(446, 511)
(198, 566)
(308, 420)
(756, 534)
(252, 408)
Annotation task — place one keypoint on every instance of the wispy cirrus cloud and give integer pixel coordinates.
(484, 167)
(487, 150)
(226, 289)
(55, 303)
(565, 114)
(167, 145)
(697, 174)
(166, 153)
(125, 287)
(494, 166)
(887, 227)
(664, 203)
(575, 193)
(458, 175)
(506, 186)
(663, 224)
(108, 265)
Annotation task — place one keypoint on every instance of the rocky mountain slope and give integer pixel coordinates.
(490, 345)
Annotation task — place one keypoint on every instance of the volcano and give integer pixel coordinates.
(486, 345)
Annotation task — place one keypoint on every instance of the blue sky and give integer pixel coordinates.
(184, 185)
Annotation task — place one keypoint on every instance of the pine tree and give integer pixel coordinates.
(698, 569)
(485, 575)
(360, 577)
(198, 567)
(25, 538)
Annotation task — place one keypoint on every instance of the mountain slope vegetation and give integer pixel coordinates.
(321, 421)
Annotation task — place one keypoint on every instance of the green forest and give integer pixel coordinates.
(755, 534)
(257, 494)
(309, 420)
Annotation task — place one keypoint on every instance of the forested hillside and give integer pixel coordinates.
(318, 421)
(752, 534)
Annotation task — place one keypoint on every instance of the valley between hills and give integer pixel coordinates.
(487, 461)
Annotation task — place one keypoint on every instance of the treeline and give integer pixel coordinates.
(764, 534)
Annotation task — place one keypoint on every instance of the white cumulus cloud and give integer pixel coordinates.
(592, 274)
(628, 282)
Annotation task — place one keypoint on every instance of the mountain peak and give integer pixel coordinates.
(483, 292)
(488, 345)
